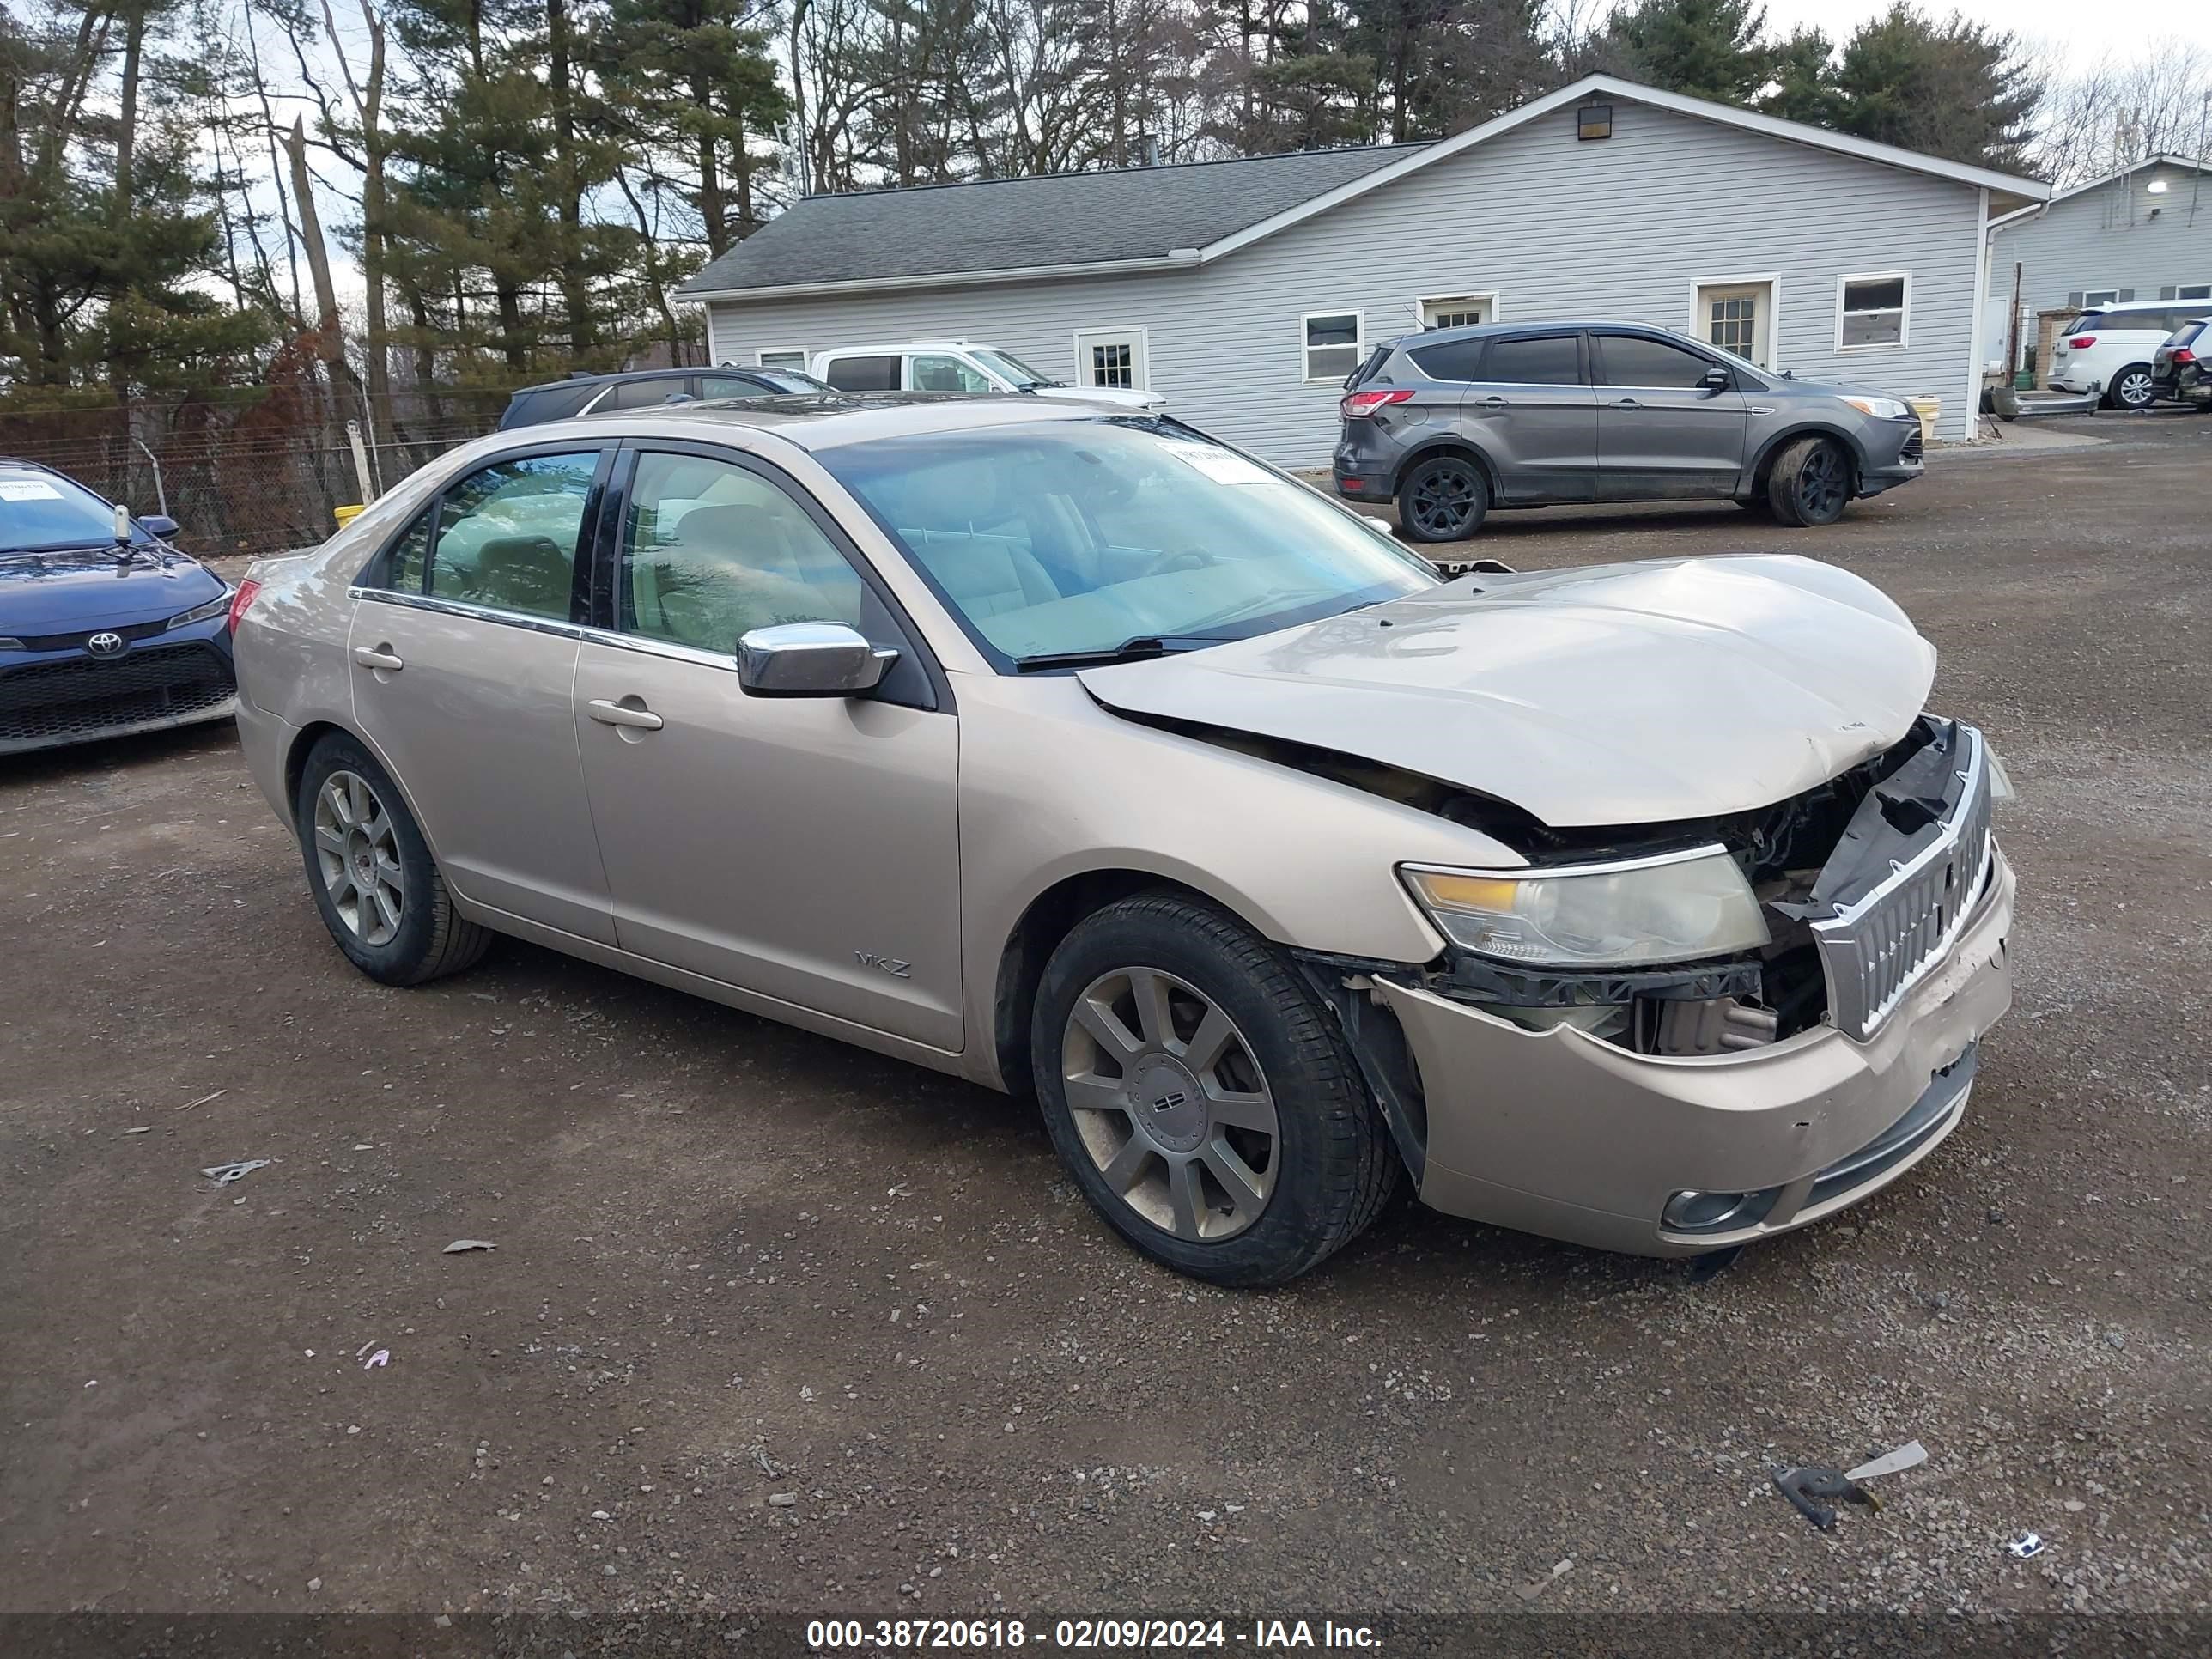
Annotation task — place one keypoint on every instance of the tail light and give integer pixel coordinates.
(2082, 341)
(1358, 404)
(2183, 354)
(239, 601)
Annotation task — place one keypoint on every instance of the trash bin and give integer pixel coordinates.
(346, 515)
(1930, 409)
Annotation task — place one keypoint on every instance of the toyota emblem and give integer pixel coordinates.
(104, 644)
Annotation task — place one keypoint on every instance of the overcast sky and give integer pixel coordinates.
(2109, 27)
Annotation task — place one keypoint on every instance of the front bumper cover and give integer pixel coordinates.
(1566, 1135)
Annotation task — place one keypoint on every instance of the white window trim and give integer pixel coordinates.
(1773, 281)
(2090, 301)
(1359, 344)
(1492, 301)
(2181, 298)
(1137, 331)
(761, 357)
(1904, 312)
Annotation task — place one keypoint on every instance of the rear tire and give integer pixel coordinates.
(2132, 388)
(371, 873)
(1201, 1098)
(1443, 499)
(1810, 481)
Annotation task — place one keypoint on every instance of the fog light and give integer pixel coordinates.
(1693, 1212)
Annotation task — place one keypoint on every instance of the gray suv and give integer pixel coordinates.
(1454, 421)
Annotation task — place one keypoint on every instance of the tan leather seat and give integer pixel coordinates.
(525, 573)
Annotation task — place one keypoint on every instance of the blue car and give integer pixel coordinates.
(105, 628)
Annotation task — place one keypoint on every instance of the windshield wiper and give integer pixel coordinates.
(1131, 650)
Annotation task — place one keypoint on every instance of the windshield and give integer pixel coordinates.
(1062, 537)
(40, 512)
(793, 380)
(1013, 368)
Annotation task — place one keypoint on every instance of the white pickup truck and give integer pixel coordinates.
(959, 366)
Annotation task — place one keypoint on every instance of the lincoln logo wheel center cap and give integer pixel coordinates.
(1168, 1106)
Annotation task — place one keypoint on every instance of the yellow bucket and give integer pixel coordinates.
(346, 515)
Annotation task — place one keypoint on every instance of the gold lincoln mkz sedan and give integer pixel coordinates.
(1641, 905)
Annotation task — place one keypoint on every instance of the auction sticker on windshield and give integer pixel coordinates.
(1222, 465)
(27, 489)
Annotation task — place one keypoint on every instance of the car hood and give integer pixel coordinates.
(1620, 694)
(63, 592)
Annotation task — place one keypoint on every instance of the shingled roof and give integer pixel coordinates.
(1023, 224)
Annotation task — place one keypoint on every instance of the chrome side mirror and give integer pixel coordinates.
(811, 659)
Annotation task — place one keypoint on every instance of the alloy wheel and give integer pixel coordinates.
(2134, 389)
(357, 852)
(1443, 501)
(1171, 1103)
(1820, 483)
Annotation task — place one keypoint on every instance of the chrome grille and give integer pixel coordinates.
(1876, 951)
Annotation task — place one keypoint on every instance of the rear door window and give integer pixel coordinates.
(506, 534)
(871, 373)
(1451, 360)
(1535, 360)
(649, 394)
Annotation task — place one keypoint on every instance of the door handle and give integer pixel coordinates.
(1626, 403)
(378, 656)
(1493, 403)
(621, 713)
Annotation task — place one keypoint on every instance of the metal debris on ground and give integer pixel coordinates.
(1910, 1456)
(381, 1357)
(1804, 1487)
(216, 1094)
(1530, 1592)
(143, 1129)
(2028, 1545)
(223, 1174)
(461, 1244)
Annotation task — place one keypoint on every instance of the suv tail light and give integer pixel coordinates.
(2183, 354)
(239, 602)
(2082, 341)
(1358, 404)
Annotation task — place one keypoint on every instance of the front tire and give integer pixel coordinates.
(2132, 388)
(370, 870)
(1443, 499)
(1200, 1096)
(1810, 481)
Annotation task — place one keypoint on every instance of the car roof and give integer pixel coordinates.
(829, 420)
(1538, 326)
(908, 345)
(629, 374)
(2122, 307)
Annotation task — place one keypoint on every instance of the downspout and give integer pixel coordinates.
(1973, 406)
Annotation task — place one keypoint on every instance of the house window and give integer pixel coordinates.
(795, 358)
(1870, 311)
(2100, 296)
(1459, 310)
(1333, 344)
(2194, 291)
(1736, 313)
(1112, 357)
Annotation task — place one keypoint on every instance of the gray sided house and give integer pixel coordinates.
(1244, 291)
(2142, 233)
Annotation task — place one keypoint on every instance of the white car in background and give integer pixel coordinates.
(2108, 349)
(960, 366)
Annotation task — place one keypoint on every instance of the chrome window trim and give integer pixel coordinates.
(1610, 867)
(473, 612)
(583, 633)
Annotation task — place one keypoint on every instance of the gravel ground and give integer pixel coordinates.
(773, 1323)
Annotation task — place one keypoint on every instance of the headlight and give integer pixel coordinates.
(1882, 408)
(1674, 908)
(215, 607)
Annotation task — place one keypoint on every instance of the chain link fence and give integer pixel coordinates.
(254, 471)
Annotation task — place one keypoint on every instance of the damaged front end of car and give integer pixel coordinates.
(1824, 1042)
